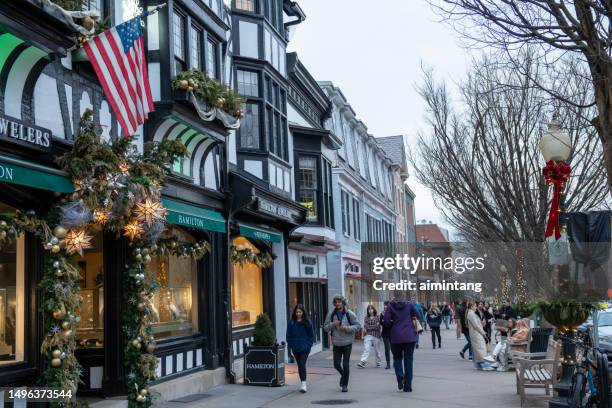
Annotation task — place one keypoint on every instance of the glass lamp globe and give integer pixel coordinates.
(555, 144)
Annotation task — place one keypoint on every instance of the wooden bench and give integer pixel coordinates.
(538, 373)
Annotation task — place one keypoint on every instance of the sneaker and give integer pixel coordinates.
(378, 365)
(489, 358)
(501, 369)
(387, 367)
(400, 384)
(462, 354)
(488, 369)
(471, 358)
(361, 364)
(417, 346)
(344, 388)
(408, 389)
(303, 387)
(495, 365)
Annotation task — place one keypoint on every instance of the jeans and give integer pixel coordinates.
(368, 343)
(435, 331)
(468, 345)
(342, 360)
(300, 359)
(387, 343)
(402, 362)
(447, 321)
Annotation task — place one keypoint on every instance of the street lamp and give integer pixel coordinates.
(556, 143)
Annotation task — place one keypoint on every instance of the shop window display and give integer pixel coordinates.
(175, 303)
(12, 298)
(247, 288)
(90, 332)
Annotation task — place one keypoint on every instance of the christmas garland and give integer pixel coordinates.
(211, 91)
(241, 254)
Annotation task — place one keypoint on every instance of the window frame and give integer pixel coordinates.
(314, 190)
(179, 15)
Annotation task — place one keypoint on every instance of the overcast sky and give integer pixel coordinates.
(373, 51)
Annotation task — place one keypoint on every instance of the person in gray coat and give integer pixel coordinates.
(342, 324)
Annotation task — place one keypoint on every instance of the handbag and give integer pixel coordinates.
(417, 326)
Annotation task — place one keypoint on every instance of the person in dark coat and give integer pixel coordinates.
(386, 335)
(434, 320)
(400, 317)
(462, 311)
(300, 337)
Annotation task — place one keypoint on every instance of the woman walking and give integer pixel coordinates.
(434, 320)
(477, 337)
(386, 335)
(402, 315)
(371, 329)
(300, 337)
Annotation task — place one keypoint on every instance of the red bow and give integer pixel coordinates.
(555, 174)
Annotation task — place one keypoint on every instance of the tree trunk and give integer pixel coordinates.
(602, 81)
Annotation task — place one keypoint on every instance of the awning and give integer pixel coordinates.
(260, 233)
(193, 217)
(28, 174)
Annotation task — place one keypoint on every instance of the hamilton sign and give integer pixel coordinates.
(264, 365)
(16, 131)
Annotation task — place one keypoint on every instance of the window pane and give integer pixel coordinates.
(92, 5)
(179, 50)
(12, 299)
(248, 83)
(196, 48)
(248, 5)
(247, 288)
(211, 59)
(90, 331)
(174, 305)
(308, 185)
(249, 128)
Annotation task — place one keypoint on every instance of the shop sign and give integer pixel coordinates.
(351, 267)
(16, 131)
(277, 210)
(309, 266)
(260, 366)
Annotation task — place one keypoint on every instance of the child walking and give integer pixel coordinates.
(371, 329)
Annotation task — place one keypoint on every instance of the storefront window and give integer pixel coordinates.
(175, 303)
(247, 288)
(90, 331)
(12, 299)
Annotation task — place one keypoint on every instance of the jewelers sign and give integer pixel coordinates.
(16, 131)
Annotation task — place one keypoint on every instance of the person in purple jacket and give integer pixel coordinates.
(400, 316)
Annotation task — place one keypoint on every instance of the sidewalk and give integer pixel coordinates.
(441, 380)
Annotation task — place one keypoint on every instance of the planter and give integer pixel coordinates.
(264, 365)
(566, 315)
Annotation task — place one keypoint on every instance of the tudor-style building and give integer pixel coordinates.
(315, 155)
(264, 211)
(44, 89)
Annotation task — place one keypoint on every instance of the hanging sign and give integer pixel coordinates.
(25, 134)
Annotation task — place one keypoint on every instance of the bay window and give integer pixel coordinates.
(307, 170)
(249, 128)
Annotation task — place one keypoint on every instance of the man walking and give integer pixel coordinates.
(446, 314)
(342, 324)
(386, 335)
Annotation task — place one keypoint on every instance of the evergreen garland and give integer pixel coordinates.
(242, 254)
(211, 91)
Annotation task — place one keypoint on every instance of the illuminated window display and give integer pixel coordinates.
(247, 292)
(175, 303)
(12, 302)
(90, 331)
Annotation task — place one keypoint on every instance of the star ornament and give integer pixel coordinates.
(77, 241)
(133, 230)
(149, 211)
(101, 216)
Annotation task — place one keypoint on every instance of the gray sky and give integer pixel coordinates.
(373, 51)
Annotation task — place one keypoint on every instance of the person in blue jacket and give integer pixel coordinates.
(300, 338)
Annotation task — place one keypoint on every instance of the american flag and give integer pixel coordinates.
(118, 57)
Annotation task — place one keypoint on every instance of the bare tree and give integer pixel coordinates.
(482, 161)
(557, 27)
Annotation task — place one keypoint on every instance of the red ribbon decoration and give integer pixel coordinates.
(555, 174)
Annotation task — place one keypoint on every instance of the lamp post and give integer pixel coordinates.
(556, 147)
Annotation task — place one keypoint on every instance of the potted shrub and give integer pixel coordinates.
(264, 358)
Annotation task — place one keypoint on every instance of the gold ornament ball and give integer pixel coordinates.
(88, 23)
(55, 249)
(56, 362)
(3, 234)
(140, 398)
(59, 273)
(143, 392)
(151, 347)
(141, 307)
(59, 232)
(3, 224)
(136, 344)
(183, 84)
(58, 314)
(190, 89)
(147, 258)
(66, 334)
(56, 353)
(65, 325)
(138, 257)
